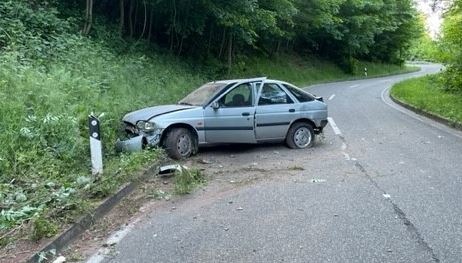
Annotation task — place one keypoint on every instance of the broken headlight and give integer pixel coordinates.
(146, 126)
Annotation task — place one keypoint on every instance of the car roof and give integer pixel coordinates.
(229, 81)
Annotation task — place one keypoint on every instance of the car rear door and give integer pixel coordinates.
(275, 112)
(233, 120)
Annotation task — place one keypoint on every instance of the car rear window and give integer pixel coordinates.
(301, 95)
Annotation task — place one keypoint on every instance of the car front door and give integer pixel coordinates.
(275, 112)
(230, 118)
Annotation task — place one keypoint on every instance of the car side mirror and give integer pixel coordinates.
(215, 105)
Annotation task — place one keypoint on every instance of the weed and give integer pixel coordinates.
(43, 227)
(186, 180)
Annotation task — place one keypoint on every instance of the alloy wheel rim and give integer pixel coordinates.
(302, 137)
(184, 145)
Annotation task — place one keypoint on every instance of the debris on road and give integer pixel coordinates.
(315, 180)
(239, 208)
(169, 170)
(296, 168)
(60, 259)
(386, 196)
(205, 161)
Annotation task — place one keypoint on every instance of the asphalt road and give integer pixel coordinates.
(384, 185)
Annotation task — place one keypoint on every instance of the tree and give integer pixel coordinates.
(452, 47)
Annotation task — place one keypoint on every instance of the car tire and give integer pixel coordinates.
(180, 144)
(300, 136)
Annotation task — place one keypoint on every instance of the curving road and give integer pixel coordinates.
(384, 185)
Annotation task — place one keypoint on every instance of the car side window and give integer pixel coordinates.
(299, 94)
(272, 94)
(240, 96)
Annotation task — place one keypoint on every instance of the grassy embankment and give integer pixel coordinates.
(45, 178)
(426, 94)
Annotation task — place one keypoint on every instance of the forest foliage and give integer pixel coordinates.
(341, 30)
(451, 48)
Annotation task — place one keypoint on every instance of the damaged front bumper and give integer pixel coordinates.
(139, 142)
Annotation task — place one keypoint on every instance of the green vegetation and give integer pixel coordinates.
(425, 93)
(186, 180)
(425, 48)
(440, 94)
(43, 228)
(56, 67)
(452, 48)
(310, 70)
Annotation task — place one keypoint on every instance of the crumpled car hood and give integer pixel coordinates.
(151, 112)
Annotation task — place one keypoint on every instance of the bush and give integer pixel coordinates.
(452, 79)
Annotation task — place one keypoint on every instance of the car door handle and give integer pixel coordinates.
(292, 110)
(245, 114)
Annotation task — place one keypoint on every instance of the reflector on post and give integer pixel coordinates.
(95, 145)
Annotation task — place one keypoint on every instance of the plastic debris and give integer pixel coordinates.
(60, 259)
(314, 180)
(168, 170)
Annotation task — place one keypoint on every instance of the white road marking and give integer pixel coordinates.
(332, 97)
(110, 242)
(334, 126)
(355, 86)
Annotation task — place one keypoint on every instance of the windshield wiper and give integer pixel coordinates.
(185, 103)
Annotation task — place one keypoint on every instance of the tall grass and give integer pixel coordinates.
(427, 93)
(44, 156)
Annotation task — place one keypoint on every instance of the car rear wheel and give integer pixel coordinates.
(179, 143)
(300, 136)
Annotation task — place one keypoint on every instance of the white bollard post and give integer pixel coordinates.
(365, 72)
(95, 145)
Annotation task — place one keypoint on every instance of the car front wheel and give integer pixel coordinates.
(300, 136)
(179, 143)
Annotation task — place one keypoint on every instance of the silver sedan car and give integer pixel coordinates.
(228, 111)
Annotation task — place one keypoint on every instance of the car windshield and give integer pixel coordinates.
(202, 95)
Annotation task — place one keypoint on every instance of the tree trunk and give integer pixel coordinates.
(230, 52)
(88, 17)
(145, 20)
(130, 18)
(122, 18)
(150, 25)
(181, 46)
(278, 47)
(210, 39)
(135, 21)
(222, 46)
